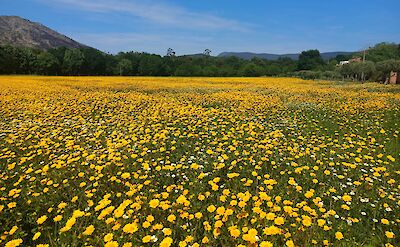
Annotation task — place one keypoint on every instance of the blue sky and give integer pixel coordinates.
(189, 26)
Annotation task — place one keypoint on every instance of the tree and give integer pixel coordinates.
(73, 61)
(151, 65)
(366, 70)
(342, 57)
(94, 62)
(345, 71)
(309, 60)
(251, 69)
(382, 52)
(27, 60)
(47, 64)
(124, 67)
(385, 67)
(170, 52)
(188, 69)
(207, 52)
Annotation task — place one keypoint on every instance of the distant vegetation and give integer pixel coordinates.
(380, 60)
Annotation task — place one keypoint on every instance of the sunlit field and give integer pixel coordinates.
(141, 161)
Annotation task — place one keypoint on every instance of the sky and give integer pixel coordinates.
(189, 26)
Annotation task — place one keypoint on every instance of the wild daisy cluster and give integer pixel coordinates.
(116, 161)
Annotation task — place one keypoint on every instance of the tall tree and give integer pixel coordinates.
(73, 61)
(124, 67)
(309, 60)
(47, 64)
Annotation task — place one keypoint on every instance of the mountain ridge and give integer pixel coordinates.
(269, 56)
(20, 32)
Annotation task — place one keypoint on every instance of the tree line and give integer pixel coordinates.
(380, 61)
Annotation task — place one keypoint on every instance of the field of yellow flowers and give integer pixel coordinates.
(141, 161)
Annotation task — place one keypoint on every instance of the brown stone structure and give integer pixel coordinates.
(394, 78)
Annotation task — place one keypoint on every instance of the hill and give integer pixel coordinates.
(249, 55)
(20, 32)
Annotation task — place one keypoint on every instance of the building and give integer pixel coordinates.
(394, 78)
(353, 60)
(356, 60)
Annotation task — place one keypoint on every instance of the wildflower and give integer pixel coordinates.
(146, 239)
(108, 237)
(171, 218)
(166, 242)
(130, 228)
(57, 218)
(13, 230)
(266, 244)
(111, 244)
(36, 236)
(279, 221)
(154, 203)
(89, 230)
(41, 219)
(346, 198)
(385, 221)
(389, 234)
(338, 235)
(14, 243)
(290, 243)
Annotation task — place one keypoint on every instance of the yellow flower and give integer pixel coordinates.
(250, 236)
(232, 175)
(211, 208)
(309, 193)
(13, 229)
(89, 230)
(167, 231)
(62, 205)
(150, 218)
(14, 243)
(166, 242)
(390, 157)
(205, 240)
(36, 236)
(154, 203)
(57, 218)
(130, 228)
(266, 244)
(346, 198)
(290, 243)
(307, 221)
(321, 222)
(171, 218)
(389, 234)
(68, 225)
(146, 224)
(146, 239)
(279, 221)
(182, 200)
(234, 232)
(338, 235)
(272, 230)
(108, 237)
(385, 221)
(41, 219)
(111, 244)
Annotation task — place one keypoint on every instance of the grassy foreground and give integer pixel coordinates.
(198, 162)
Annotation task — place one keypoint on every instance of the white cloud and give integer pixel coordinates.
(154, 11)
